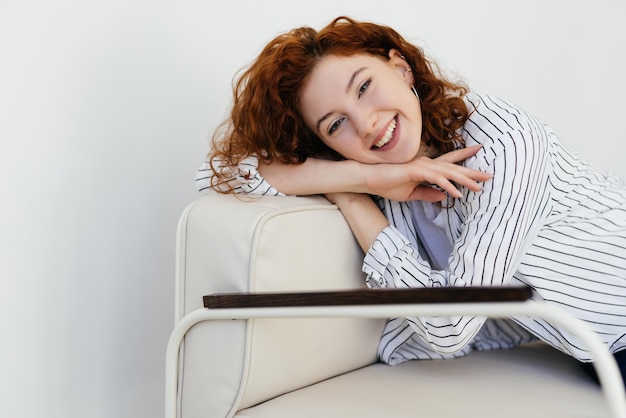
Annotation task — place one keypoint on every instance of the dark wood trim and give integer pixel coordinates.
(369, 297)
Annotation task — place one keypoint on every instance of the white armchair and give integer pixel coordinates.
(262, 360)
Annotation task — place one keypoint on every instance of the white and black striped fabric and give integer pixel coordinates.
(244, 178)
(546, 219)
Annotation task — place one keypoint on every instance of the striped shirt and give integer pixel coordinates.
(546, 219)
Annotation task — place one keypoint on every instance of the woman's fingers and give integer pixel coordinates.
(427, 194)
(459, 154)
(449, 176)
(436, 172)
(444, 171)
(469, 177)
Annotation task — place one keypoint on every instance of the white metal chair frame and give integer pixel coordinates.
(604, 363)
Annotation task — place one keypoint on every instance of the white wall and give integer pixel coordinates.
(105, 111)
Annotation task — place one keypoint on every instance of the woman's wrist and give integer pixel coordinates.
(347, 176)
(343, 199)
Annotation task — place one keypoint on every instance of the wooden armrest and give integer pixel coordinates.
(369, 297)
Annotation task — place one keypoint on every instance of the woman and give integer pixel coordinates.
(358, 114)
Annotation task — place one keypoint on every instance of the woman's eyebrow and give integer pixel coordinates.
(348, 87)
(354, 76)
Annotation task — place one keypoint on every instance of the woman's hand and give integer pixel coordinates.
(414, 180)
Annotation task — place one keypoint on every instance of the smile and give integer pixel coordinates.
(388, 134)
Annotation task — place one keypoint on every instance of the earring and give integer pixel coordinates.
(408, 70)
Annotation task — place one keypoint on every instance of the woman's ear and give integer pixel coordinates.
(399, 62)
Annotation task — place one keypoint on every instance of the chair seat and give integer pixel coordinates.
(533, 380)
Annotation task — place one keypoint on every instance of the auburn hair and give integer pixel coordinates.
(265, 119)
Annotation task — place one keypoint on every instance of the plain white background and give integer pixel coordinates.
(105, 113)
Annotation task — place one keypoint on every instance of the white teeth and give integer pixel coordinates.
(387, 137)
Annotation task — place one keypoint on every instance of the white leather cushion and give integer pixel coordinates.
(298, 249)
(528, 381)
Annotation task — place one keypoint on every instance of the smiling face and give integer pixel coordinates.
(363, 107)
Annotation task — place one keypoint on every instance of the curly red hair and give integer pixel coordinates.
(265, 121)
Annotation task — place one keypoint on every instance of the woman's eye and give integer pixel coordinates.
(364, 86)
(334, 126)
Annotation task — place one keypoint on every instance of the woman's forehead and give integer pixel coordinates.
(342, 65)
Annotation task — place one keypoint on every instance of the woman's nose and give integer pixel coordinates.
(365, 123)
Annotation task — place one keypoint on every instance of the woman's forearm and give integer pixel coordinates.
(315, 176)
(409, 181)
(363, 216)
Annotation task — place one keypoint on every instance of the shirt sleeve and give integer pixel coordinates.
(498, 222)
(244, 178)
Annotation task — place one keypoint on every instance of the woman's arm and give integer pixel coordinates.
(362, 215)
(401, 182)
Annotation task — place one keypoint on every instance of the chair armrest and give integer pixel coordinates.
(368, 297)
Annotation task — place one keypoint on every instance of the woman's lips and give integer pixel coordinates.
(389, 138)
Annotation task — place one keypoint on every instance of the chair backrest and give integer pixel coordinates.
(231, 243)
